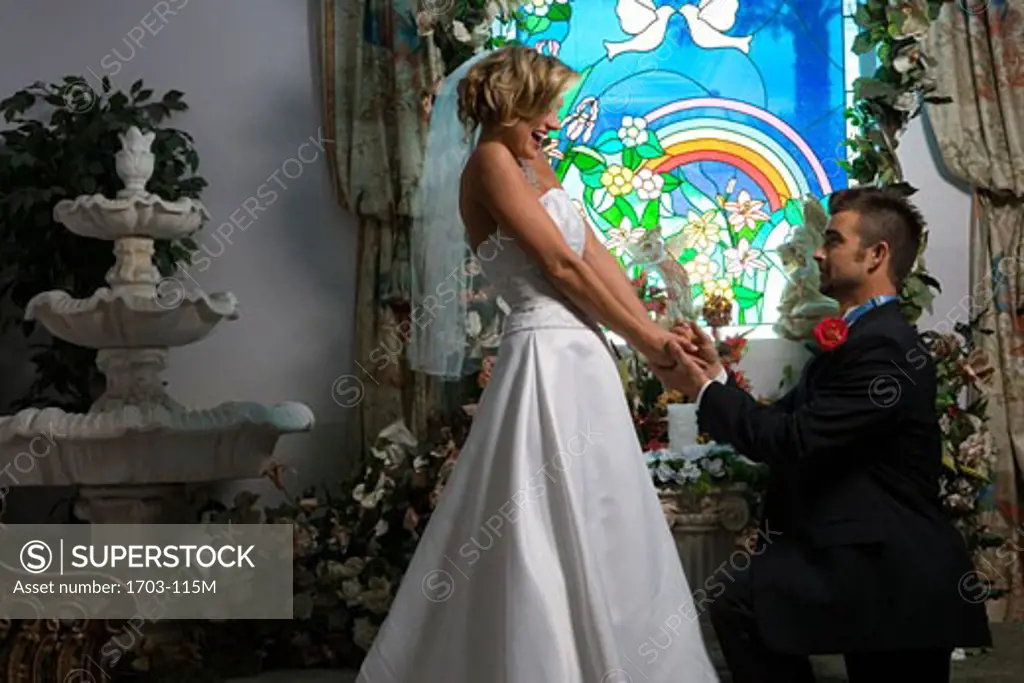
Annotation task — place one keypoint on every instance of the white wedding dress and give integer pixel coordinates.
(548, 559)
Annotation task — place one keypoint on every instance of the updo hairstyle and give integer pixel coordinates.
(510, 85)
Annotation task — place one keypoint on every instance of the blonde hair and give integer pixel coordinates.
(510, 85)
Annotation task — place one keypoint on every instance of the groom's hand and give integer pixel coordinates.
(687, 375)
(700, 346)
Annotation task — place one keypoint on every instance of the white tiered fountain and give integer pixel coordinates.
(135, 450)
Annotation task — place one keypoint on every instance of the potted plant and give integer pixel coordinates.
(63, 144)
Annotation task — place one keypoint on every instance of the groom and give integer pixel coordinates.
(863, 560)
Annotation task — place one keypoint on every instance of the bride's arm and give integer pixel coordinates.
(513, 205)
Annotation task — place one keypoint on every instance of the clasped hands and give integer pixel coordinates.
(686, 359)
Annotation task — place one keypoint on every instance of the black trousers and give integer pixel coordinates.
(751, 661)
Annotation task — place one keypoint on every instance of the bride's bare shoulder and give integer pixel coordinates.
(490, 163)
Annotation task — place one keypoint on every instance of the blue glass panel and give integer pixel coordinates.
(704, 121)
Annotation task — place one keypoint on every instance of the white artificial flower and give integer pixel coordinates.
(381, 528)
(352, 567)
(715, 467)
(377, 598)
(363, 633)
(473, 325)
(690, 471)
(906, 102)
(665, 473)
(350, 591)
(460, 32)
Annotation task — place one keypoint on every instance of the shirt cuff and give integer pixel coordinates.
(722, 377)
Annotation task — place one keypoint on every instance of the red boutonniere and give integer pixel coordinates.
(830, 333)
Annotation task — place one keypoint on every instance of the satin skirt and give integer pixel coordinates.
(548, 558)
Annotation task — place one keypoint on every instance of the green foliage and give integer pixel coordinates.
(61, 145)
(465, 28)
(885, 103)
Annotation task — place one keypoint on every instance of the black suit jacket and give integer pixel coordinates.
(856, 553)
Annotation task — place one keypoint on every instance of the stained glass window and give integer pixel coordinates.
(705, 122)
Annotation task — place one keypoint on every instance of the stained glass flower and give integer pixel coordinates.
(745, 211)
(633, 131)
(622, 237)
(701, 268)
(541, 8)
(548, 47)
(617, 180)
(743, 260)
(721, 288)
(701, 232)
(580, 123)
(648, 184)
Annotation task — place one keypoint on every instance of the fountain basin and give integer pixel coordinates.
(139, 215)
(121, 319)
(145, 445)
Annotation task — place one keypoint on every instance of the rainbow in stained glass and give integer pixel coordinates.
(699, 126)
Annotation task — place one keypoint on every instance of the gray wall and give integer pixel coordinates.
(249, 71)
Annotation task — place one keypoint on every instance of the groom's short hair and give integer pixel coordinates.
(886, 215)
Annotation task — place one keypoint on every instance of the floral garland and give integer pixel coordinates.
(886, 102)
(963, 371)
(462, 28)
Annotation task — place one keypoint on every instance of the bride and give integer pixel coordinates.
(548, 558)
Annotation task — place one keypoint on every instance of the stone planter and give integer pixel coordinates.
(705, 529)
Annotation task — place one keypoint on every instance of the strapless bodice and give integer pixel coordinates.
(534, 301)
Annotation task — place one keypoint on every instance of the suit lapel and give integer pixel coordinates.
(814, 368)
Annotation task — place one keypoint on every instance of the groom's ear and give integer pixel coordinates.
(878, 255)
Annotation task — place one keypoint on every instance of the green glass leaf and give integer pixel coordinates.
(609, 142)
(671, 182)
(614, 215)
(627, 211)
(688, 255)
(586, 163)
(794, 212)
(651, 215)
(746, 298)
(631, 158)
(651, 149)
(535, 24)
(593, 178)
(561, 12)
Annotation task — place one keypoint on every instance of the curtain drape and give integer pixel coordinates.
(981, 138)
(375, 69)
